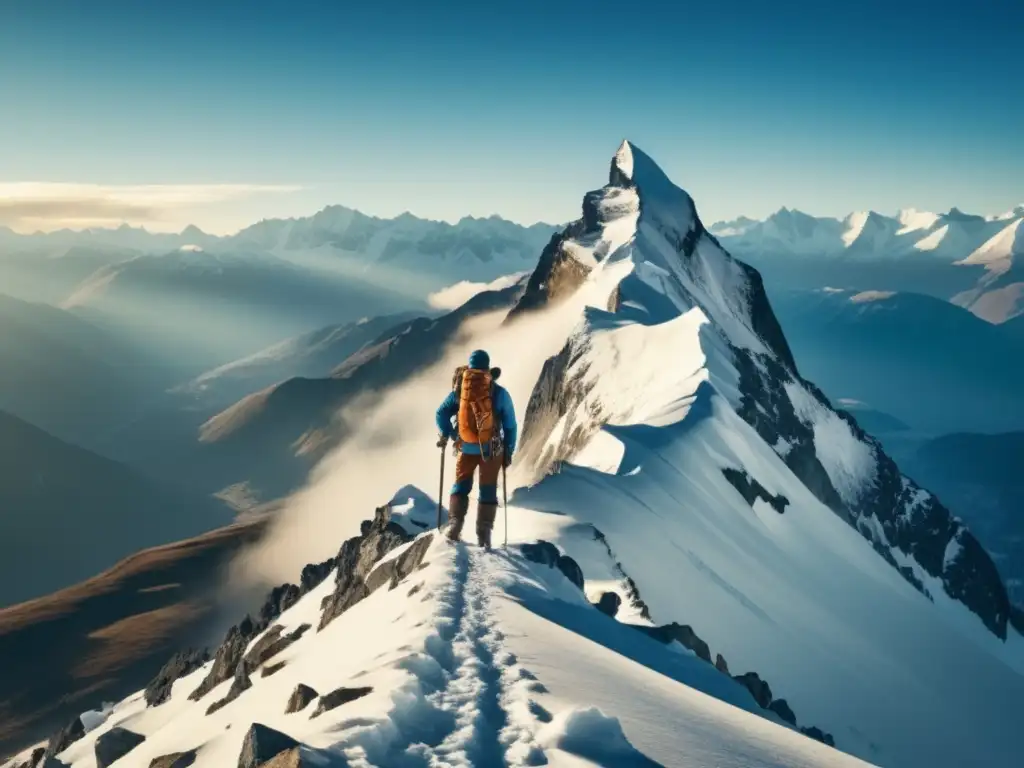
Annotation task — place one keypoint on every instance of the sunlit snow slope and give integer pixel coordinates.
(694, 479)
(477, 659)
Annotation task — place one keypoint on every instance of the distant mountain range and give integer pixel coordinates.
(972, 260)
(200, 301)
(309, 355)
(271, 438)
(69, 376)
(336, 239)
(68, 513)
(929, 363)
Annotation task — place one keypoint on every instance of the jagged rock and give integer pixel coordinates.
(632, 592)
(393, 571)
(176, 760)
(751, 490)
(314, 574)
(557, 273)
(36, 758)
(291, 758)
(256, 654)
(609, 603)
(300, 698)
(115, 744)
(239, 685)
(546, 553)
(781, 708)
(543, 552)
(279, 600)
(271, 644)
(895, 511)
(64, 738)
(273, 669)
(571, 569)
(263, 744)
(758, 688)
(721, 664)
(337, 697)
(179, 665)
(818, 735)
(356, 559)
(682, 633)
(227, 658)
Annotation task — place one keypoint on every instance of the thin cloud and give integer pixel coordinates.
(30, 206)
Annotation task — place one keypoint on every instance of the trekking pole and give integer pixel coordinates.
(504, 494)
(441, 443)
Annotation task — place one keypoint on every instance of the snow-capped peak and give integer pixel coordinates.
(623, 159)
(911, 220)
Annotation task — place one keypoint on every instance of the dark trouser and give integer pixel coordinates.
(487, 504)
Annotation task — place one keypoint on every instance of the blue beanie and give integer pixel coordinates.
(480, 360)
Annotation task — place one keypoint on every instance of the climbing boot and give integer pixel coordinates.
(485, 513)
(458, 506)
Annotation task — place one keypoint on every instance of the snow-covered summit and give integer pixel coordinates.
(692, 489)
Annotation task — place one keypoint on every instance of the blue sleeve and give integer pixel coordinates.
(508, 420)
(449, 408)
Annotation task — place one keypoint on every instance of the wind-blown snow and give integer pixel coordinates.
(454, 296)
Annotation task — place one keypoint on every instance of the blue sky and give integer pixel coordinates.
(478, 108)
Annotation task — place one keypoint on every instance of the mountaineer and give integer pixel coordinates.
(484, 436)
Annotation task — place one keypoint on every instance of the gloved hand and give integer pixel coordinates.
(506, 458)
(442, 441)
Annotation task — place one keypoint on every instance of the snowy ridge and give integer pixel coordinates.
(473, 659)
(673, 267)
(947, 237)
(600, 418)
(685, 479)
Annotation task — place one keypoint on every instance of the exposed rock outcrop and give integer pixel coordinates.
(227, 659)
(64, 738)
(262, 744)
(609, 603)
(356, 578)
(239, 685)
(758, 688)
(272, 669)
(632, 592)
(682, 633)
(721, 664)
(546, 553)
(571, 569)
(176, 760)
(300, 698)
(290, 758)
(751, 490)
(782, 709)
(542, 552)
(270, 644)
(115, 744)
(339, 696)
(178, 666)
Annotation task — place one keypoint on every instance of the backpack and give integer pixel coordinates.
(475, 389)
